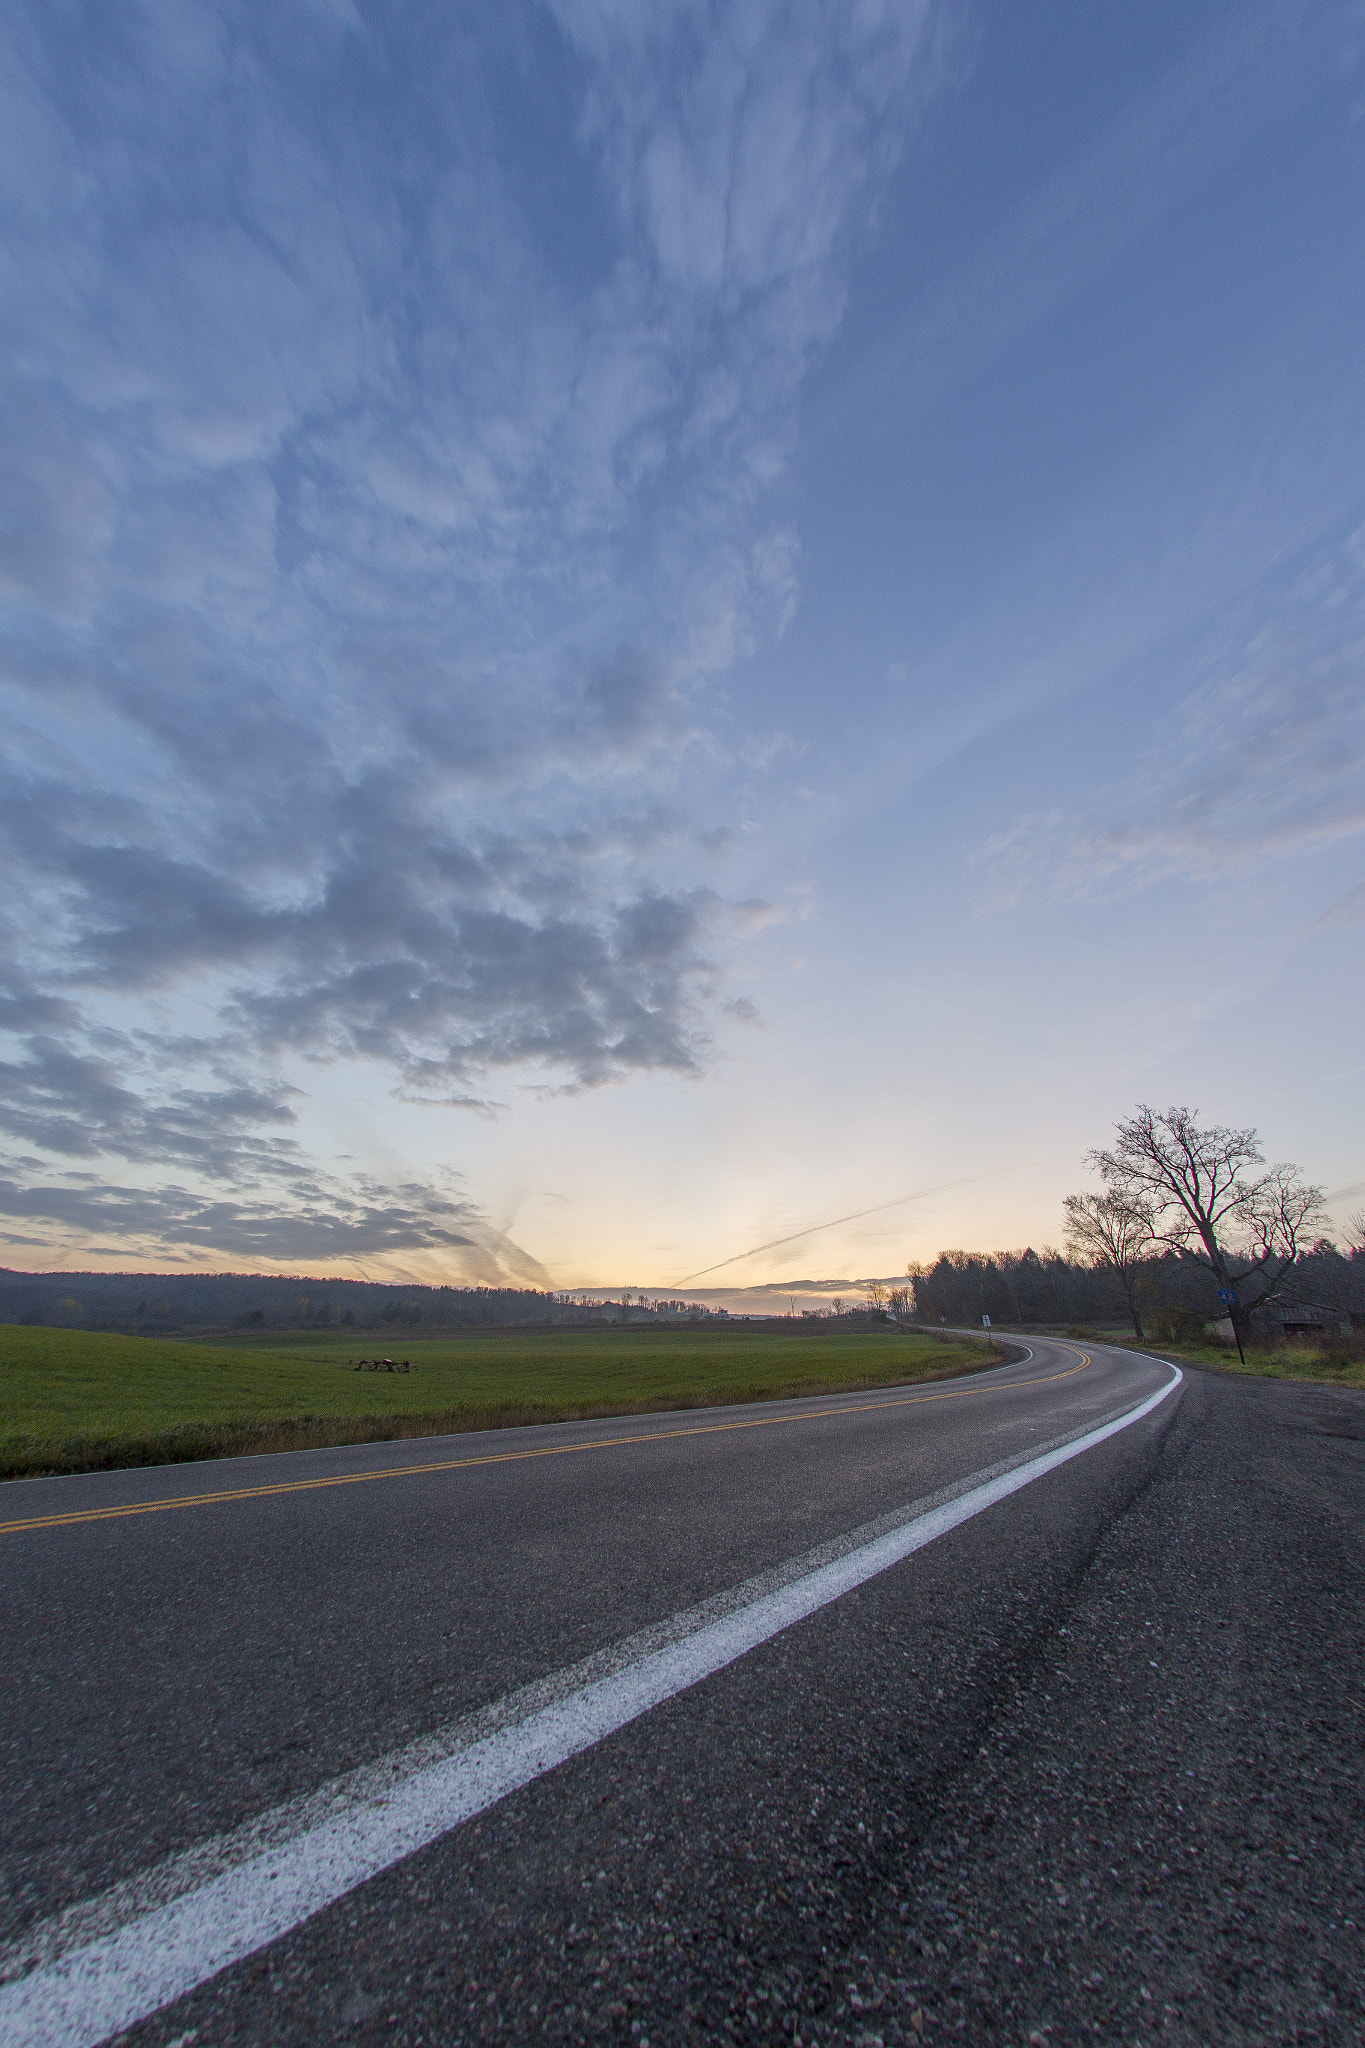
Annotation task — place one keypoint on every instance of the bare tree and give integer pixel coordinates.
(1206, 1199)
(1113, 1231)
(876, 1298)
(1355, 1233)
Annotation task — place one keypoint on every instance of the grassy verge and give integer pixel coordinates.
(1339, 1365)
(72, 1402)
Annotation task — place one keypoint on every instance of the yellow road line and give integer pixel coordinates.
(606, 1443)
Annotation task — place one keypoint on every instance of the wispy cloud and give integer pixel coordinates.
(833, 1222)
(1350, 910)
(1257, 68)
(379, 513)
(326, 1223)
(1262, 761)
(1223, 552)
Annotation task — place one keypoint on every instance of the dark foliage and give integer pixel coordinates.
(162, 1303)
(1021, 1288)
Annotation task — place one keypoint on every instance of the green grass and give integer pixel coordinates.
(1333, 1365)
(77, 1402)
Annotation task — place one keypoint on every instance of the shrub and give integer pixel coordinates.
(1341, 1352)
(1172, 1323)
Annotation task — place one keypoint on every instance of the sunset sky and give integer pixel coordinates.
(630, 628)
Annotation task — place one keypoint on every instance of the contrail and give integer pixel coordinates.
(876, 1210)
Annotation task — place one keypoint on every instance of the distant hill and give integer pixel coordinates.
(154, 1304)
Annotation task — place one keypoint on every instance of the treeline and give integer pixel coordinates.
(162, 1303)
(1047, 1287)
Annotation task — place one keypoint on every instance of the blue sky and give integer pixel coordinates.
(628, 629)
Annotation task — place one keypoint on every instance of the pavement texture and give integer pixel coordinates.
(1089, 1768)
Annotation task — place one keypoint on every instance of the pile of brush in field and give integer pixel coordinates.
(378, 1365)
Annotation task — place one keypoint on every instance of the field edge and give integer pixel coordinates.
(193, 1443)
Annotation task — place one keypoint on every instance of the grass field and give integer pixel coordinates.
(77, 1402)
(1333, 1365)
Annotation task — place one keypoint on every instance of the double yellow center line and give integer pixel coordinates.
(605, 1443)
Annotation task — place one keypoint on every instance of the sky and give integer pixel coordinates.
(670, 645)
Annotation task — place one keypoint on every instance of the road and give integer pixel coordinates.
(939, 1714)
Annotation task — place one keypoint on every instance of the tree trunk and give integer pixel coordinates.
(1130, 1295)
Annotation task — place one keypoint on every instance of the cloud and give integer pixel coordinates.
(393, 407)
(79, 1106)
(1255, 69)
(1262, 761)
(1350, 910)
(407, 943)
(740, 141)
(337, 1223)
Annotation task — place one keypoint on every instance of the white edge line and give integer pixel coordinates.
(79, 1924)
(125, 1976)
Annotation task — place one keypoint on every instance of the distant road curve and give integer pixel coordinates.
(255, 1703)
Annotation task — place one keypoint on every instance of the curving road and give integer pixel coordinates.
(1024, 1706)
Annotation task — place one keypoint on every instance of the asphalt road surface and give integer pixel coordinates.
(978, 1711)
